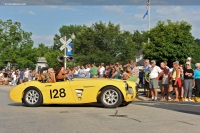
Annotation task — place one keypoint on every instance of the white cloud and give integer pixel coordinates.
(31, 12)
(168, 10)
(113, 9)
(67, 8)
(46, 39)
(132, 27)
(133, 21)
(179, 13)
(63, 8)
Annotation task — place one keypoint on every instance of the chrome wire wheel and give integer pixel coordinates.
(32, 97)
(110, 97)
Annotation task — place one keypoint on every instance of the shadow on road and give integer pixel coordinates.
(189, 108)
(91, 105)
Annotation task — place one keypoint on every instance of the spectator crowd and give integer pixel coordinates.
(181, 79)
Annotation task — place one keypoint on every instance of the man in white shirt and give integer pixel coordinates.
(101, 70)
(155, 73)
(77, 70)
(87, 70)
(1, 77)
(26, 74)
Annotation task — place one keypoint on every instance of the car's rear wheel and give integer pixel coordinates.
(32, 97)
(111, 97)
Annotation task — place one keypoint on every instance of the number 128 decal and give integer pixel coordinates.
(55, 93)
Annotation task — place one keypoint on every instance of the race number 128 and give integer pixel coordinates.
(55, 93)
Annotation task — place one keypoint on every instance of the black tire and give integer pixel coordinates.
(114, 100)
(32, 101)
(99, 99)
(124, 104)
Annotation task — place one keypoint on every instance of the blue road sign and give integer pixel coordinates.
(69, 52)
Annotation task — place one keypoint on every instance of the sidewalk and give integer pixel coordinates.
(142, 97)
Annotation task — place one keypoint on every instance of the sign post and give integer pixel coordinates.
(64, 47)
(65, 58)
(67, 47)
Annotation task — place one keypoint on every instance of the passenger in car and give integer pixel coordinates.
(60, 75)
(43, 76)
(51, 76)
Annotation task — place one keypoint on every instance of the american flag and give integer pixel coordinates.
(147, 4)
(147, 7)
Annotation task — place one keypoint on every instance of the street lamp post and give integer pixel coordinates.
(65, 56)
(73, 37)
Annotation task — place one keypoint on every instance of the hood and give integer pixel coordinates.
(99, 79)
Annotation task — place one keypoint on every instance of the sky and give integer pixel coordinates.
(44, 21)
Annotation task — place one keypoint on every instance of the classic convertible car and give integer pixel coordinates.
(109, 92)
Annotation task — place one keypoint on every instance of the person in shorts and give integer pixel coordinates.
(146, 68)
(165, 81)
(147, 80)
(155, 73)
(175, 79)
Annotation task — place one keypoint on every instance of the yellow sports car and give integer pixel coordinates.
(109, 92)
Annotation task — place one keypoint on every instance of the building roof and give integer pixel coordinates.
(140, 52)
(141, 62)
(42, 60)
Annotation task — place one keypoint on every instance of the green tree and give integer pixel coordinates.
(65, 31)
(51, 57)
(197, 41)
(196, 57)
(42, 50)
(100, 42)
(15, 45)
(170, 41)
(139, 38)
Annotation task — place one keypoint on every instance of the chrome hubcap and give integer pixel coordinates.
(32, 97)
(110, 97)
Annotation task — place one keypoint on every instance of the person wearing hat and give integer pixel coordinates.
(189, 59)
(155, 73)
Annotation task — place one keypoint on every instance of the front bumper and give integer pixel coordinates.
(130, 92)
(129, 98)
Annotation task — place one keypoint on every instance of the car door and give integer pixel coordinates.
(60, 93)
(83, 91)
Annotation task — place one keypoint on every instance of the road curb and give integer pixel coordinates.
(142, 98)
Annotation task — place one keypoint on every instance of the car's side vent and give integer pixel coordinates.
(79, 93)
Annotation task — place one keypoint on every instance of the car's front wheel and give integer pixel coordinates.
(32, 97)
(125, 104)
(111, 97)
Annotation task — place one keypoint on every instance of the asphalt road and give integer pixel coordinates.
(138, 117)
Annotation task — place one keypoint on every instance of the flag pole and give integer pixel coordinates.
(149, 16)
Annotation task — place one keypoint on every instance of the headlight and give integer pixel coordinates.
(126, 86)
